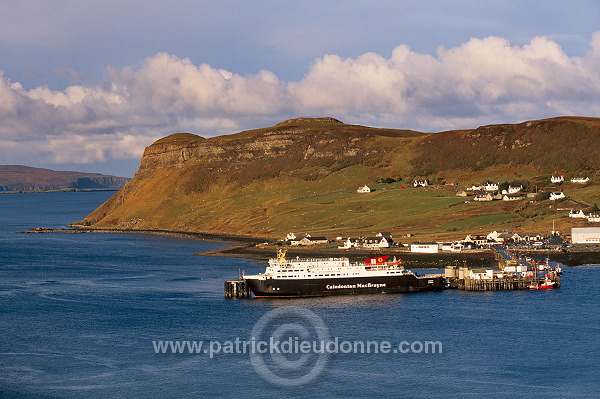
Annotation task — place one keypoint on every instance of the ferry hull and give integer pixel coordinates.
(270, 287)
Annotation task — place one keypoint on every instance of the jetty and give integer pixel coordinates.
(507, 283)
(237, 289)
(513, 273)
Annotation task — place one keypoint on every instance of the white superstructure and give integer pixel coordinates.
(282, 268)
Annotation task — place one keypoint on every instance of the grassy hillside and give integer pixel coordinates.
(302, 176)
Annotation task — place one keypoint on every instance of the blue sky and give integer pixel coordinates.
(86, 85)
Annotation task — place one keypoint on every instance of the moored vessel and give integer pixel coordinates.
(545, 284)
(301, 277)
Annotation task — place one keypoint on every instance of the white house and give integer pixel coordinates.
(475, 188)
(512, 197)
(424, 248)
(364, 189)
(294, 237)
(556, 196)
(580, 180)
(593, 218)
(577, 214)
(514, 190)
(369, 242)
(502, 236)
(420, 183)
(557, 179)
(491, 187)
(350, 243)
(377, 242)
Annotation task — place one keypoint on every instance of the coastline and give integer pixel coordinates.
(260, 248)
(188, 235)
(61, 190)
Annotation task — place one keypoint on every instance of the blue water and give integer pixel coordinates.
(79, 312)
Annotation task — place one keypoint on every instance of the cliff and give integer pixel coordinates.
(302, 175)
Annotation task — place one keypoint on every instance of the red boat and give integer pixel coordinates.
(545, 285)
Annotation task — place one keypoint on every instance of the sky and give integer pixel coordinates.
(87, 85)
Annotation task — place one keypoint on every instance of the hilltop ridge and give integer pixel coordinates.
(27, 178)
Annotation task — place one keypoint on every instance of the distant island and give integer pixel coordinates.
(331, 179)
(19, 178)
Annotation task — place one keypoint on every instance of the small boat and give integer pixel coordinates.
(545, 285)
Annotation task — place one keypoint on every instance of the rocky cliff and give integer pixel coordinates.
(303, 174)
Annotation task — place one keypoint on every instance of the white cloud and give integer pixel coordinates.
(482, 81)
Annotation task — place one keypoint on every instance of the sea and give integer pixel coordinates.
(96, 315)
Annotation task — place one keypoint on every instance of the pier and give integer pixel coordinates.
(506, 283)
(237, 289)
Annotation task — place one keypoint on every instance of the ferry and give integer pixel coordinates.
(337, 276)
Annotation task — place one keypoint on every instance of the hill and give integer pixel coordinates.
(302, 174)
(26, 178)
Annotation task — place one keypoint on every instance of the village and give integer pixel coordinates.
(385, 240)
(488, 191)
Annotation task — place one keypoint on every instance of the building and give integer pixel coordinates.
(461, 194)
(585, 235)
(483, 197)
(308, 240)
(475, 188)
(491, 187)
(557, 179)
(481, 274)
(424, 248)
(364, 189)
(515, 268)
(291, 237)
(556, 196)
(580, 180)
(593, 218)
(452, 246)
(530, 237)
(577, 214)
(502, 236)
(379, 241)
(476, 239)
(350, 243)
(513, 190)
(420, 183)
(512, 197)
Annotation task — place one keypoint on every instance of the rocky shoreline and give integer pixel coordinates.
(262, 249)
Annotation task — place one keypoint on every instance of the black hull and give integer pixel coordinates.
(343, 286)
